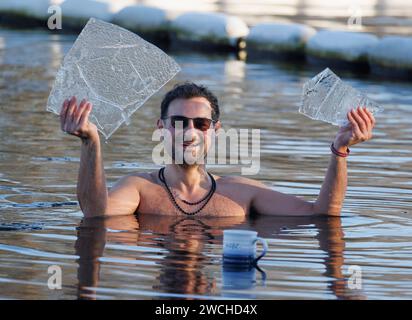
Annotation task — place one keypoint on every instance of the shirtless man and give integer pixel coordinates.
(188, 189)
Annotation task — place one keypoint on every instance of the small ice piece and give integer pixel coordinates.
(327, 98)
(114, 69)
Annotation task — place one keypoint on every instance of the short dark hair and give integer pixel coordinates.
(189, 90)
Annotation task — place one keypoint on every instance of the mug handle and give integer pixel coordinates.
(265, 247)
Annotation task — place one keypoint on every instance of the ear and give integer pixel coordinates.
(217, 125)
(160, 124)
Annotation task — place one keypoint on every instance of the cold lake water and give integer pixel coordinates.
(148, 257)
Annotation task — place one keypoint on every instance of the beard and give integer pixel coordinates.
(192, 151)
(189, 155)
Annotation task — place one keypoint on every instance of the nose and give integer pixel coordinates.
(190, 125)
(190, 132)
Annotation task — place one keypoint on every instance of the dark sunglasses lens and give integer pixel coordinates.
(182, 121)
(202, 124)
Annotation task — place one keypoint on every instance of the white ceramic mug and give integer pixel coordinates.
(239, 246)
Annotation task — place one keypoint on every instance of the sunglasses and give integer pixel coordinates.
(202, 124)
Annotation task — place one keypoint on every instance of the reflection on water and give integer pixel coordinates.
(186, 258)
(150, 258)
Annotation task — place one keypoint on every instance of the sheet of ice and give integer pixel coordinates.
(327, 98)
(114, 69)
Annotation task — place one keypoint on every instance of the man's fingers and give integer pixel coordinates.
(355, 125)
(371, 117)
(85, 114)
(65, 116)
(79, 111)
(63, 113)
(359, 120)
(366, 119)
(64, 107)
(371, 122)
(69, 115)
(71, 107)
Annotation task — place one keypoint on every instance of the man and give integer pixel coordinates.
(187, 188)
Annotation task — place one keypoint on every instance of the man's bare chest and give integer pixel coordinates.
(156, 200)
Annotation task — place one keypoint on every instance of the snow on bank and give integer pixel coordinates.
(33, 8)
(392, 52)
(341, 45)
(77, 12)
(278, 37)
(142, 18)
(213, 28)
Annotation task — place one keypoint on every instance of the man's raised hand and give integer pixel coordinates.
(359, 129)
(74, 119)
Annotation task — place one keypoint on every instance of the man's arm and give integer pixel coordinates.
(330, 200)
(92, 193)
(94, 198)
(91, 184)
(332, 193)
(333, 190)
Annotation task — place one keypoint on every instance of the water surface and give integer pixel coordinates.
(150, 257)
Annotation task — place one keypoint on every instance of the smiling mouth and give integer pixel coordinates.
(190, 144)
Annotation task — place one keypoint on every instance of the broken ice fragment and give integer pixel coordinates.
(326, 97)
(113, 68)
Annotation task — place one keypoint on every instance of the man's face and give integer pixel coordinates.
(188, 142)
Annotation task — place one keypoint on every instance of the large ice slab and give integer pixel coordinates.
(114, 69)
(327, 98)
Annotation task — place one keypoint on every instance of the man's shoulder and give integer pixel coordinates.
(140, 175)
(137, 179)
(231, 180)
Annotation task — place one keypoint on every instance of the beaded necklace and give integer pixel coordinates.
(206, 198)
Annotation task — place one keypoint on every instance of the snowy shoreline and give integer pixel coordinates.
(202, 30)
